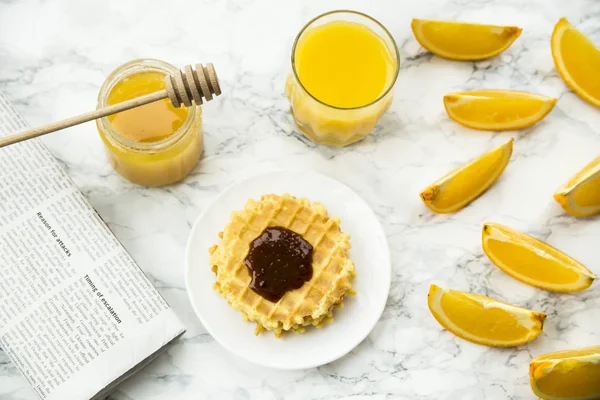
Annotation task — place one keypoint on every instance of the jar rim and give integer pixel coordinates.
(126, 70)
(342, 11)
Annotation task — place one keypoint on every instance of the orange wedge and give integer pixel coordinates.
(569, 374)
(532, 261)
(482, 320)
(580, 195)
(577, 61)
(497, 110)
(463, 41)
(467, 182)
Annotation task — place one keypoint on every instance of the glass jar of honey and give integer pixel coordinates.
(344, 67)
(155, 144)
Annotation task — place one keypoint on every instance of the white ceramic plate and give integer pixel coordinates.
(315, 347)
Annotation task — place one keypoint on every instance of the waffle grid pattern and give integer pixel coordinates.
(311, 304)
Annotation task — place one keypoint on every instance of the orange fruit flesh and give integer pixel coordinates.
(513, 108)
(588, 194)
(582, 60)
(491, 323)
(477, 40)
(466, 184)
(528, 262)
(570, 379)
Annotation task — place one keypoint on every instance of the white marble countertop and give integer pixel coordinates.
(54, 56)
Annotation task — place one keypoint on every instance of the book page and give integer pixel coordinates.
(76, 312)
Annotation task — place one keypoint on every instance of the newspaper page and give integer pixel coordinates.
(76, 313)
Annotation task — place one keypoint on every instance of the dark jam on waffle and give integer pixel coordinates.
(279, 260)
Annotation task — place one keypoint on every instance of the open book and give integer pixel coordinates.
(77, 315)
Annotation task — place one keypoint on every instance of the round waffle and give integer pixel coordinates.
(311, 304)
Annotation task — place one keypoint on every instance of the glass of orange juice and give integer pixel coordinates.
(344, 67)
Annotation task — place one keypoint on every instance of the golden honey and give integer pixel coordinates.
(155, 144)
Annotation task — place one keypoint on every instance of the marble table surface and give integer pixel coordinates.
(54, 56)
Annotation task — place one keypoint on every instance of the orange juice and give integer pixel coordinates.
(343, 72)
(344, 64)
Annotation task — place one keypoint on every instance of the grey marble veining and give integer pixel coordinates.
(54, 56)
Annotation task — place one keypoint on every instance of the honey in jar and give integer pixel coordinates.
(154, 144)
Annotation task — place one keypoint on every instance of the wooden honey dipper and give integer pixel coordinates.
(184, 87)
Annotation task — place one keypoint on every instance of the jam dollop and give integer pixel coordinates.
(279, 260)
